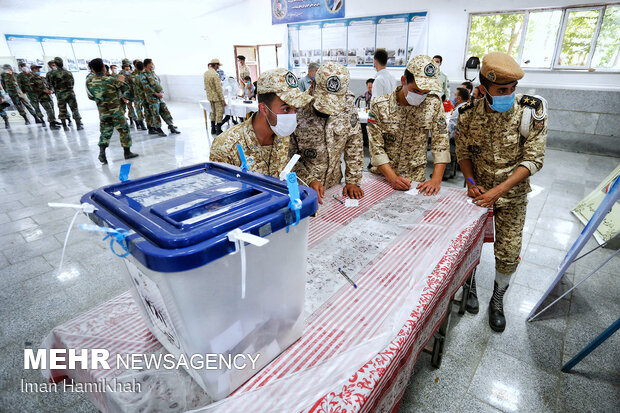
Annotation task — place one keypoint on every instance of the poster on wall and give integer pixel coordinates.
(293, 46)
(361, 42)
(334, 42)
(392, 36)
(291, 11)
(26, 49)
(418, 34)
(85, 50)
(61, 47)
(309, 45)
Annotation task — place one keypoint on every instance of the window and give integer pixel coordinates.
(564, 38)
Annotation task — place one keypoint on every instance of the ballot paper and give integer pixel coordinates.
(351, 203)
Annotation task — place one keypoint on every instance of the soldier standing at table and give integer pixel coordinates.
(500, 142)
(154, 94)
(62, 82)
(40, 95)
(215, 95)
(105, 91)
(10, 85)
(23, 80)
(244, 70)
(264, 137)
(327, 128)
(399, 125)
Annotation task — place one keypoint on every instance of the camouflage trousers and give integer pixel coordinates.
(20, 103)
(110, 121)
(137, 105)
(155, 110)
(217, 111)
(47, 104)
(509, 221)
(67, 98)
(128, 107)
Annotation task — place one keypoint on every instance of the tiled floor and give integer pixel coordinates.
(518, 370)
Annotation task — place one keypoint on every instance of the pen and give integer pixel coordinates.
(339, 200)
(347, 277)
(471, 181)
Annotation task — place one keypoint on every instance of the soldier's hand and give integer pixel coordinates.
(319, 188)
(401, 183)
(474, 192)
(487, 199)
(49, 92)
(352, 191)
(224, 103)
(121, 78)
(125, 100)
(430, 187)
(159, 95)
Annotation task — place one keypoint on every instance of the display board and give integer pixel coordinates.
(74, 50)
(291, 11)
(353, 42)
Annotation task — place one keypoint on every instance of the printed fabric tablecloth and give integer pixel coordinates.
(407, 253)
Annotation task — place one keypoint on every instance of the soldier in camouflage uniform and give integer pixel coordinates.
(3, 106)
(62, 83)
(326, 128)
(10, 85)
(23, 80)
(153, 95)
(131, 95)
(138, 92)
(244, 70)
(399, 125)
(500, 142)
(105, 91)
(215, 95)
(40, 95)
(265, 136)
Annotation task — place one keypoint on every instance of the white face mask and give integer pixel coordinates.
(285, 123)
(414, 99)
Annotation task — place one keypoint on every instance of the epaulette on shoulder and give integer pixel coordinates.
(531, 101)
(466, 106)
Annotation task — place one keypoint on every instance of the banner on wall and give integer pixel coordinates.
(353, 42)
(292, 11)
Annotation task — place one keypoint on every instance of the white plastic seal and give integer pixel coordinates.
(240, 238)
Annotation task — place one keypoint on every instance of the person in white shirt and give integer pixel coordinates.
(443, 79)
(384, 82)
(461, 97)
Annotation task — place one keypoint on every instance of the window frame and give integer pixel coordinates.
(555, 66)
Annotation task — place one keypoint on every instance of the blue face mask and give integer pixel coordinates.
(502, 103)
(453, 100)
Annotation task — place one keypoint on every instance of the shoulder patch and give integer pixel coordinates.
(531, 101)
(353, 119)
(466, 106)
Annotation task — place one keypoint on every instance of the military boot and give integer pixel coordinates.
(472, 300)
(173, 129)
(79, 125)
(140, 125)
(213, 127)
(26, 120)
(497, 321)
(54, 125)
(43, 123)
(131, 123)
(64, 124)
(152, 131)
(6, 122)
(102, 158)
(128, 154)
(37, 119)
(69, 120)
(160, 132)
(218, 128)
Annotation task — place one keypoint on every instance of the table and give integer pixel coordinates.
(407, 253)
(234, 107)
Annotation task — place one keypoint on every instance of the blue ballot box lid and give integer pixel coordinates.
(179, 220)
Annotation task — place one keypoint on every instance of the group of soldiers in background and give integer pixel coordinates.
(30, 90)
(136, 91)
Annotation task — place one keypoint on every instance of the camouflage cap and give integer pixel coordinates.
(215, 62)
(7, 66)
(331, 85)
(125, 62)
(500, 68)
(21, 64)
(425, 71)
(58, 60)
(285, 85)
(32, 67)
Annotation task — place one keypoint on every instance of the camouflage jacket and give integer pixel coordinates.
(105, 91)
(61, 80)
(321, 141)
(493, 142)
(398, 135)
(213, 86)
(23, 79)
(243, 72)
(38, 84)
(9, 83)
(150, 85)
(138, 89)
(265, 159)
